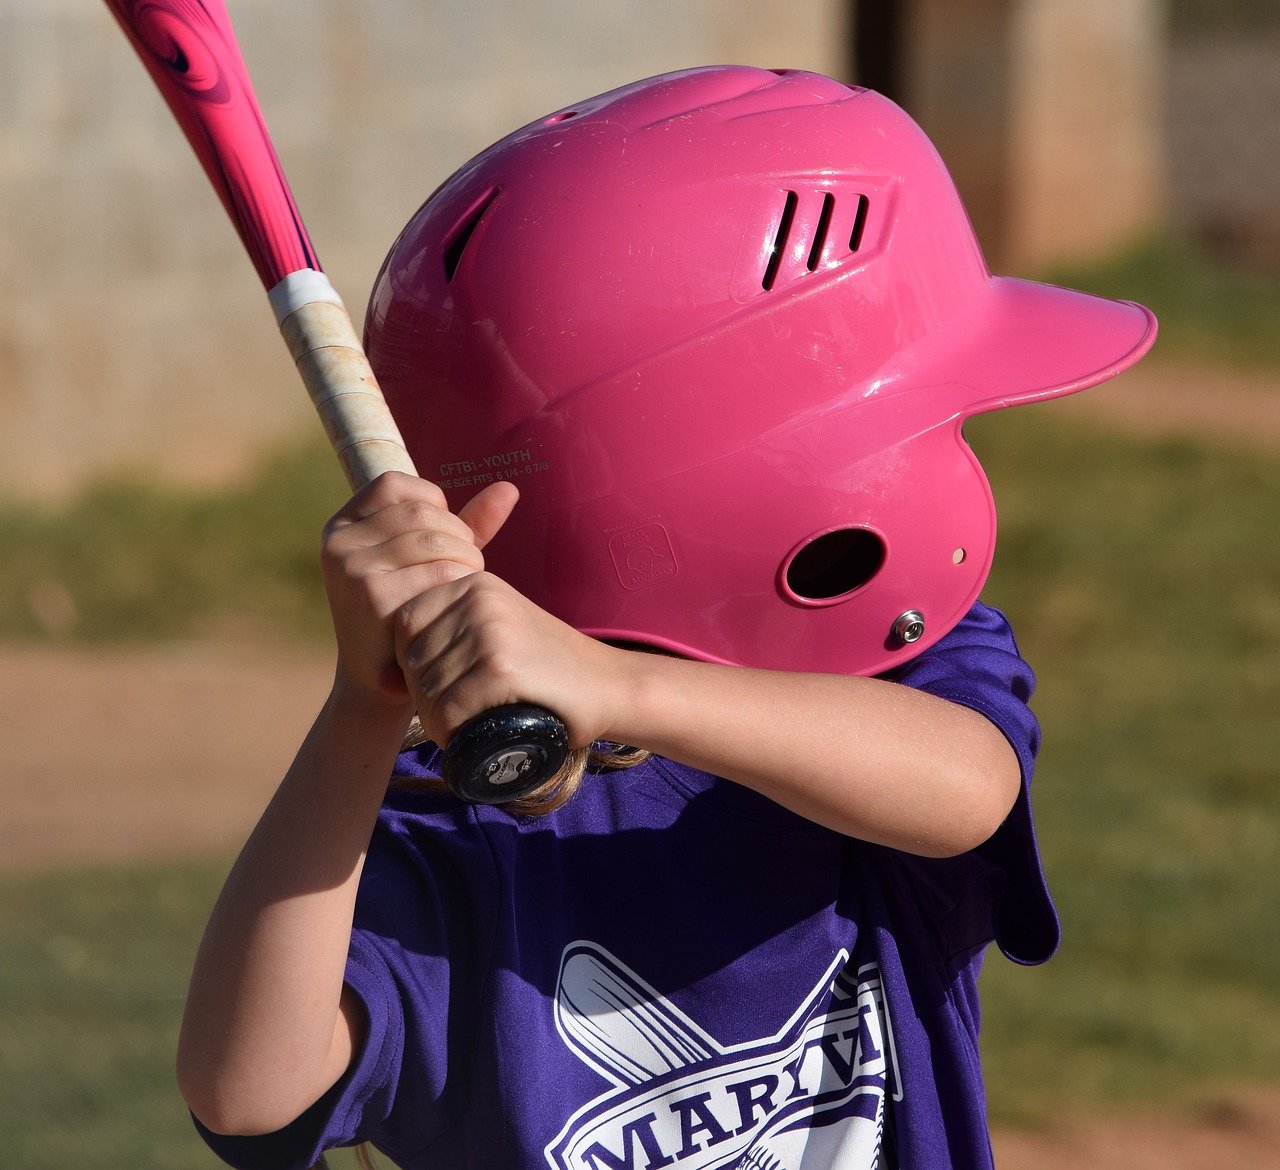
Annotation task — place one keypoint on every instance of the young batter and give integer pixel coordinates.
(720, 329)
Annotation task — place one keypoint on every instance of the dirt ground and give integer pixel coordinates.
(167, 753)
(112, 755)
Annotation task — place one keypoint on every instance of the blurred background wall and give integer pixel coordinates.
(134, 335)
(134, 338)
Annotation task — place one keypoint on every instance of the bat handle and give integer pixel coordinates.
(318, 331)
(498, 755)
(504, 753)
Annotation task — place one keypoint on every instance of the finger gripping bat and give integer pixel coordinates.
(189, 47)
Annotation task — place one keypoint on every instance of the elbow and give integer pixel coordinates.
(204, 1100)
(197, 1087)
(229, 1121)
(202, 1086)
(986, 805)
(211, 1108)
(960, 838)
(247, 1094)
(221, 1108)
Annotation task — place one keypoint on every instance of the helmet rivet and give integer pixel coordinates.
(909, 627)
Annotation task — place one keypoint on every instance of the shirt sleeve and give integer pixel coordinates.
(998, 890)
(418, 967)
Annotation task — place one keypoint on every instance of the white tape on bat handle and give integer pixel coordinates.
(323, 341)
(304, 287)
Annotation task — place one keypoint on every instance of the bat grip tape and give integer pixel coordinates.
(320, 336)
(501, 754)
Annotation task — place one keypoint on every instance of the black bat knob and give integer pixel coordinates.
(504, 753)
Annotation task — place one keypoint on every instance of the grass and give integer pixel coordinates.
(1145, 583)
(1208, 311)
(93, 967)
(131, 561)
(1143, 578)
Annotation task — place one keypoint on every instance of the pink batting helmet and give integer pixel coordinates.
(722, 328)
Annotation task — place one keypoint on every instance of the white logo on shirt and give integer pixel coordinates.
(811, 1096)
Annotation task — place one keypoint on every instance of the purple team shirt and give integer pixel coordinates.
(673, 971)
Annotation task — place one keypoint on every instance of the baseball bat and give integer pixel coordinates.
(189, 47)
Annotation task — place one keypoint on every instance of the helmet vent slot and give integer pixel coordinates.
(824, 225)
(780, 240)
(834, 564)
(462, 234)
(859, 223)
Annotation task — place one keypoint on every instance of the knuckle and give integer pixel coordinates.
(386, 487)
(330, 553)
(331, 534)
(436, 543)
(433, 493)
(447, 572)
(480, 590)
(339, 564)
(492, 629)
(498, 666)
(450, 712)
(420, 515)
(488, 606)
(404, 624)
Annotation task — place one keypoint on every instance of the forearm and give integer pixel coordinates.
(870, 758)
(262, 1035)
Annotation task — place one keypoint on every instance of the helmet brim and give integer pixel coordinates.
(1029, 342)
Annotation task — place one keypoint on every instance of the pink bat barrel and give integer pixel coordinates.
(189, 47)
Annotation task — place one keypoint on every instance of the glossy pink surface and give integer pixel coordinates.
(702, 320)
(190, 50)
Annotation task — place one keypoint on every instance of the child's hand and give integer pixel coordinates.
(393, 540)
(473, 643)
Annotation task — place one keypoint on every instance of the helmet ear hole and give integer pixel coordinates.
(833, 565)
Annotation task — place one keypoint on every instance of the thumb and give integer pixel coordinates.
(487, 511)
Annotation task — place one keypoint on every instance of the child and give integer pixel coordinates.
(720, 329)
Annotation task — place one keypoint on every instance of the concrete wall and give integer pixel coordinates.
(134, 334)
(1223, 129)
(1088, 151)
(1049, 114)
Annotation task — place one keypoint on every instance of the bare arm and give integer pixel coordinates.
(268, 1028)
(264, 1034)
(868, 758)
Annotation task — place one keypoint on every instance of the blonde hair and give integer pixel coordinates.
(607, 757)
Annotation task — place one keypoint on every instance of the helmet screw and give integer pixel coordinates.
(909, 627)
